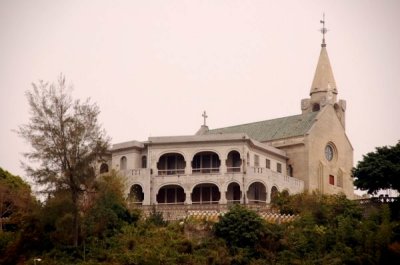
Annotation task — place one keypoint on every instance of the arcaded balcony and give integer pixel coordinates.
(206, 162)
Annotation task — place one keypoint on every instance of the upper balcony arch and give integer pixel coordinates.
(201, 150)
(206, 162)
(233, 161)
(172, 151)
(171, 164)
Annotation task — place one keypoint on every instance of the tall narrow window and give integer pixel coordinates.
(290, 171)
(144, 162)
(331, 180)
(340, 179)
(256, 161)
(267, 163)
(123, 163)
(279, 167)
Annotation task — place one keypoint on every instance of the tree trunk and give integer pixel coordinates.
(75, 223)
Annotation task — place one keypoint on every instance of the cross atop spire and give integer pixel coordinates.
(323, 30)
(205, 117)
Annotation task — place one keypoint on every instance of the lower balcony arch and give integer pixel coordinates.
(257, 193)
(136, 194)
(233, 162)
(171, 164)
(274, 193)
(103, 168)
(171, 194)
(206, 193)
(233, 193)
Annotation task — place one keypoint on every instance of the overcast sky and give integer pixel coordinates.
(153, 67)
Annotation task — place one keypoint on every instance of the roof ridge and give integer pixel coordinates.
(250, 123)
(277, 128)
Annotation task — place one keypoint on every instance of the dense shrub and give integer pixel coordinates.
(240, 227)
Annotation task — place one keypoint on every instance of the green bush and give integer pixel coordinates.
(240, 227)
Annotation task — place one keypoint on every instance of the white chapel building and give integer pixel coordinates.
(246, 163)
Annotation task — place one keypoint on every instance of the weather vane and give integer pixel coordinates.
(323, 30)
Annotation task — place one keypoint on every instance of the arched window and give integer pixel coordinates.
(144, 161)
(233, 162)
(206, 162)
(103, 168)
(123, 163)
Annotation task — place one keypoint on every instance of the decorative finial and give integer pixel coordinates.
(323, 30)
(205, 117)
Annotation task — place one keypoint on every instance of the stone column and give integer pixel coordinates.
(188, 199)
(268, 195)
(223, 200)
(222, 168)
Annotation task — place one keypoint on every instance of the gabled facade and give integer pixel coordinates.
(246, 163)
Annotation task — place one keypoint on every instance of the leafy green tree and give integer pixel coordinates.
(240, 227)
(15, 199)
(107, 211)
(379, 170)
(66, 142)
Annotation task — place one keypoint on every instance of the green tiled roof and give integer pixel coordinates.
(280, 128)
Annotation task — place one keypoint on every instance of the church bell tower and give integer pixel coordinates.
(323, 89)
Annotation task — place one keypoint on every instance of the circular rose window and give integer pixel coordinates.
(329, 152)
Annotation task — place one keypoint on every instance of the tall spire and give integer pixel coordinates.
(323, 77)
(323, 89)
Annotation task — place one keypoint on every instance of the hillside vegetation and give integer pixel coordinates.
(328, 230)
